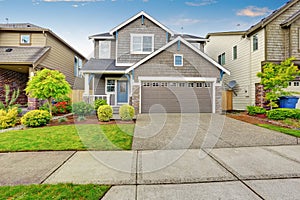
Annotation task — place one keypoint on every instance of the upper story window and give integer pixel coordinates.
(221, 59)
(234, 52)
(25, 39)
(255, 42)
(77, 65)
(142, 43)
(178, 60)
(104, 49)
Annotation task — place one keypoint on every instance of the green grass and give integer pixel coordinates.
(281, 129)
(60, 191)
(70, 137)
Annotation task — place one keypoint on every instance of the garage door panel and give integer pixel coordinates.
(176, 99)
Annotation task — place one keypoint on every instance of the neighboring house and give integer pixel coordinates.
(143, 63)
(273, 39)
(26, 48)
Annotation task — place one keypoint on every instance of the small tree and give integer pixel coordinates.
(10, 101)
(276, 77)
(48, 84)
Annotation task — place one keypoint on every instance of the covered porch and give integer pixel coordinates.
(102, 80)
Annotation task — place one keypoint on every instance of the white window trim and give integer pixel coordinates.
(141, 35)
(233, 58)
(107, 79)
(175, 60)
(25, 43)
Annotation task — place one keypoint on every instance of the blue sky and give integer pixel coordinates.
(75, 20)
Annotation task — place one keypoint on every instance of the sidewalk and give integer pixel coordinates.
(270, 172)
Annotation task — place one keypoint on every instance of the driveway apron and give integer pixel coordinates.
(194, 131)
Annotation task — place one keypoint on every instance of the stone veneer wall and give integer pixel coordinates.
(15, 80)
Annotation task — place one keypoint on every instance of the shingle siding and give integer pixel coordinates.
(136, 27)
(163, 65)
(278, 39)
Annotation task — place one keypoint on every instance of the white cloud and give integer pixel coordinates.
(75, 6)
(252, 11)
(198, 3)
(145, 1)
(184, 22)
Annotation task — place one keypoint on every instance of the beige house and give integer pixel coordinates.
(273, 39)
(26, 48)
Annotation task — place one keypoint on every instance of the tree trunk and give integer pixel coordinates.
(50, 105)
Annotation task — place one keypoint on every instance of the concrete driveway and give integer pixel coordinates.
(194, 131)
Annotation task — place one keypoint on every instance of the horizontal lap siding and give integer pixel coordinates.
(13, 39)
(136, 27)
(239, 68)
(60, 58)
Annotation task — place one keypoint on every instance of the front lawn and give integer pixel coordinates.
(281, 129)
(69, 137)
(59, 191)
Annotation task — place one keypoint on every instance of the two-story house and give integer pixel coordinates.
(26, 48)
(145, 64)
(273, 39)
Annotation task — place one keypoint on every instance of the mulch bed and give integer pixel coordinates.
(243, 116)
(72, 119)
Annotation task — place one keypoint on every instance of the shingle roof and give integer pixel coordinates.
(188, 36)
(291, 19)
(26, 26)
(102, 65)
(22, 55)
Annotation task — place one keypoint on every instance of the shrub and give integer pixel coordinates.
(282, 113)
(81, 118)
(66, 102)
(126, 112)
(82, 108)
(253, 110)
(105, 112)
(8, 118)
(61, 107)
(36, 118)
(63, 119)
(99, 102)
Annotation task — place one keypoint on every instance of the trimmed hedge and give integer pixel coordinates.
(254, 110)
(283, 113)
(105, 113)
(82, 108)
(126, 112)
(8, 118)
(36, 118)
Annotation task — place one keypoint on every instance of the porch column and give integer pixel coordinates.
(86, 85)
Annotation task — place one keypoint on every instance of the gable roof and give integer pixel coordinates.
(35, 28)
(142, 13)
(265, 21)
(22, 55)
(102, 36)
(291, 19)
(170, 44)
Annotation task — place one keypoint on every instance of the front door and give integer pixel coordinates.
(122, 95)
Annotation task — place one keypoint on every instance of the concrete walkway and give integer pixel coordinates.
(270, 172)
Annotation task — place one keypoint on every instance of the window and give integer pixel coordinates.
(207, 85)
(173, 84)
(77, 65)
(221, 59)
(142, 44)
(104, 49)
(178, 60)
(110, 85)
(296, 83)
(25, 39)
(234, 52)
(155, 84)
(255, 42)
(164, 84)
(190, 84)
(181, 85)
(199, 85)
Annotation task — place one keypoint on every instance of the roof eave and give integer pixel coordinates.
(137, 16)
